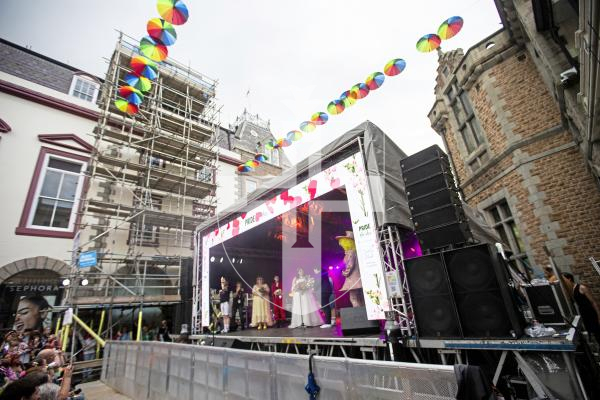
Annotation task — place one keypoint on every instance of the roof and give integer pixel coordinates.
(37, 68)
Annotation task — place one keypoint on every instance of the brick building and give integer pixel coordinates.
(516, 157)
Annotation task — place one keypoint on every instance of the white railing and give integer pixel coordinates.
(153, 370)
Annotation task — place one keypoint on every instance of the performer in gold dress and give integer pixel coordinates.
(352, 284)
(261, 311)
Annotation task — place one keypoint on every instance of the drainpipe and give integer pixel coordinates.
(594, 11)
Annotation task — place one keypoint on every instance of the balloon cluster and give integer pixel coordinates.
(153, 49)
(335, 107)
(447, 30)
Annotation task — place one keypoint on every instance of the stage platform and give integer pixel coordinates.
(328, 340)
(288, 340)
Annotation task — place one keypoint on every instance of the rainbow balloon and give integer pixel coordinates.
(319, 118)
(450, 27)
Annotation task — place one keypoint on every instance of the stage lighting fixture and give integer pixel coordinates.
(84, 282)
(212, 259)
(66, 282)
(331, 267)
(221, 260)
(241, 260)
(337, 267)
(233, 260)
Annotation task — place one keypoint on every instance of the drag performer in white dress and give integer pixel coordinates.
(305, 307)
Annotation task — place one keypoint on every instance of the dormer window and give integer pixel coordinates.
(84, 88)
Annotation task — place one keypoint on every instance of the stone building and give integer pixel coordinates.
(238, 144)
(516, 156)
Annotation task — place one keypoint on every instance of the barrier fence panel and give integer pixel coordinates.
(154, 370)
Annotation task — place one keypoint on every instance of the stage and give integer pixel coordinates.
(326, 341)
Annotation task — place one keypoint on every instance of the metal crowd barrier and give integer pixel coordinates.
(154, 370)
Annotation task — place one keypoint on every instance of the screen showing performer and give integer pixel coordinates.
(261, 310)
(237, 306)
(277, 293)
(305, 308)
(224, 297)
(352, 284)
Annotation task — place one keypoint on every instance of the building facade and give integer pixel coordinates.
(48, 112)
(516, 157)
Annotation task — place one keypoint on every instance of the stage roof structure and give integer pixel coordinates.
(382, 158)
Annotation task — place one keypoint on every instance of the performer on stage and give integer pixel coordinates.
(238, 304)
(352, 283)
(261, 312)
(326, 297)
(277, 293)
(224, 295)
(305, 308)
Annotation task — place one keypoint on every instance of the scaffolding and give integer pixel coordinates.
(151, 181)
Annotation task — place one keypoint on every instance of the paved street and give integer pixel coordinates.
(99, 391)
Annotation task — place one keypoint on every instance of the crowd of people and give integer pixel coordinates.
(161, 333)
(32, 367)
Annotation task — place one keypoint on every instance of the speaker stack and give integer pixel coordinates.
(436, 209)
(458, 290)
(463, 293)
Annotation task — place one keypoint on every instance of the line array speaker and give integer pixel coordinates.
(463, 293)
(435, 207)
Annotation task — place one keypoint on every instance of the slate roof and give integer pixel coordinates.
(37, 68)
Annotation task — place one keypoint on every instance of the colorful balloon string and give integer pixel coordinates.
(153, 50)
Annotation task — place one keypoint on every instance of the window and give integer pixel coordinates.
(504, 224)
(250, 186)
(57, 194)
(84, 88)
(468, 126)
(275, 157)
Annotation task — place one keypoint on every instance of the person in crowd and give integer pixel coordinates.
(125, 335)
(549, 274)
(163, 332)
(277, 299)
(49, 391)
(146, 333)
(9, 337)
(31, 313)
(238, 304)
(224, 297)
(25, 388)
(88, 347)
(11, 367)
(588, 306)
(261, 312)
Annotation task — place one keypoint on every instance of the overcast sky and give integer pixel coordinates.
(293, 56)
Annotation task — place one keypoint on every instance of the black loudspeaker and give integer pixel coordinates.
(432, 300)
(548, 304)
(435, 207)
(183, 310)
(354, 321)
(463, 293)
(484, 301)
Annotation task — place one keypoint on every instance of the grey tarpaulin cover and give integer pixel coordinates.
(382, 158)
